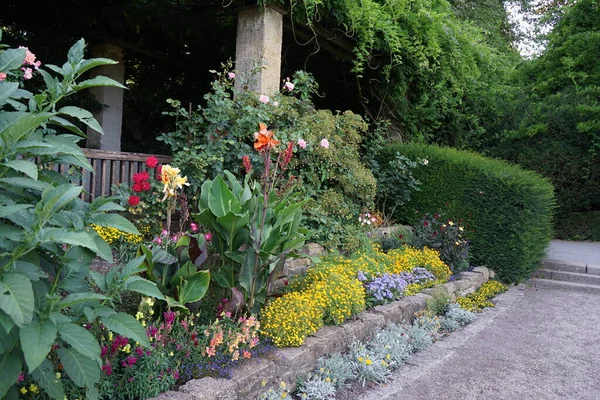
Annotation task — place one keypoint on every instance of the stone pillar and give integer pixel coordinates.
(258, 44)
(110, 117)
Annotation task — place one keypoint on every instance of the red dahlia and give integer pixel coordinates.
(151, 162)
(133, 201)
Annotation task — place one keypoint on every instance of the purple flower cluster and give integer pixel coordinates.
(388, 287)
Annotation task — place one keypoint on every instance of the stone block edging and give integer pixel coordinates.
(288, 363)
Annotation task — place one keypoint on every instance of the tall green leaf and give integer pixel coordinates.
(81, 369)
(126, 325)
(98, 81)
(81, 340)
(44, 375)
(143, 286)
(84, 116)
(75, 54)
(10, 369)
(194, 288)
(6, 90)
(16, 298)
(36, 341)
(76, 298)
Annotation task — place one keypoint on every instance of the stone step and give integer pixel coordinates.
(558, 265)
(572, 286)
(593, 270)
(589, 279)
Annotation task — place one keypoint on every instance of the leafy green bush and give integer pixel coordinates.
(47, 242)
(506, 211)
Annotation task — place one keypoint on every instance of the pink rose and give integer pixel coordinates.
(325, 143)
(263, 99)
(302, 143)
(288, 86)
(2, 76)
(231, 75)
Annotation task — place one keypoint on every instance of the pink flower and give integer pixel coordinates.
(164, 232)
(2, 76)
(208, 237)
(302, 143)
(193, 227)
(276, 103)
(263, 99)
(21, 378)
(29, 56)
(37, 64)
(325, 143)
(107, 369)
(288, 86)
(231, 75)
(28, 73)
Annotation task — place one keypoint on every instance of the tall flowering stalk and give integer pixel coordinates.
(172, 182)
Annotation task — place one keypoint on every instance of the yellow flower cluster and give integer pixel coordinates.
(289, 319)
(172, 180)
(331, 293)
(112, 235)
(481, 298)
(405, 260)
(343, 297)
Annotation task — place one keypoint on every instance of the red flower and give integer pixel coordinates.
(137, 187)
(425, 223)
(133, 200)
(151, 162)
(247, 163)
(141, 177)
(145, 185)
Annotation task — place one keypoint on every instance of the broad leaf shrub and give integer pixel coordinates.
(46, 237)
(325, 167)
(506, 210)
(331, 292)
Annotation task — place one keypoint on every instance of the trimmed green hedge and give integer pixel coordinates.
(507, 211)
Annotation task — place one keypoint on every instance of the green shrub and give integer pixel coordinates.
(506, 210)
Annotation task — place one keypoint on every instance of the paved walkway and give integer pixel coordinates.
(584, 252)
(539, 344)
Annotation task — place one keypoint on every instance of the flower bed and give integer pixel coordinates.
(286, 364)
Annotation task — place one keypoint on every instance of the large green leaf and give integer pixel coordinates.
(15, 125)
(57, 197)
(8, 340)
(10, 369)
(220, 198)
(115, 221)
(86, 65)
(82, 370)
(75, 54)
(76, 298)
(104, 250)
(37, 339)
(143, 286)
(27, 167)
(98, 81)
(81, 340)
(16, 298)
(247, 271)
(60, 235)
(6, 323)
(6, 90)
(194, 288)
(45, 376)
(11, 59)
(84, 116)
(231, 223)
(126, 325)
(67, 125)
(7, 210)
(25, 183)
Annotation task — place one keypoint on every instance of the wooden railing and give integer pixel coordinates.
(110, 167)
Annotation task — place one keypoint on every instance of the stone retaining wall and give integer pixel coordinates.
(288, 363)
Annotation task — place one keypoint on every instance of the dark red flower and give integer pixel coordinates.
(141, 177)
(247, 163)
(133, 201)
(145, 185)
(151, 162)
(425, 223)
(107, 369)
(137, 187)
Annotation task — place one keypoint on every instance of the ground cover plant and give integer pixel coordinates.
(375, 360)
(339, 288)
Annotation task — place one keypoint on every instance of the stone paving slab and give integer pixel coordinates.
(538, 344)
(582, 252)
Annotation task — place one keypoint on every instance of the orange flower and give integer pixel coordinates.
(264, 138)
